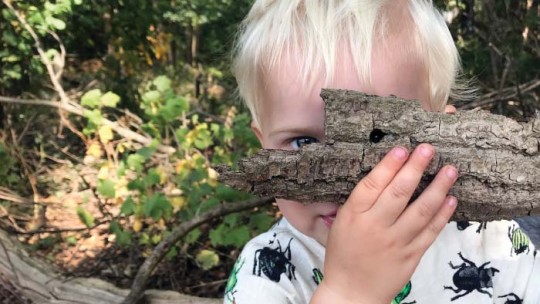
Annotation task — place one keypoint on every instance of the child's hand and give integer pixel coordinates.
(376, 242)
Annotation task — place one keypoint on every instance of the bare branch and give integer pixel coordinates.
(139, 284)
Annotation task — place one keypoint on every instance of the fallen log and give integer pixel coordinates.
(38, 282)
(498, 158)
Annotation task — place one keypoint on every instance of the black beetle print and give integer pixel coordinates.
(512, 298)
(274, 261)
(462, 225)
(469, 278)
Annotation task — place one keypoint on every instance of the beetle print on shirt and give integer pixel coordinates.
(231, 282)
(462, 225)
(520, 241)
(470, 277)
(403, 294)
(273, 262)
(317, 276)
(511, 298)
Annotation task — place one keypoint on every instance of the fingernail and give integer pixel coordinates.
(451, 172)
(426, 151)
(400, 152)
(451, 201)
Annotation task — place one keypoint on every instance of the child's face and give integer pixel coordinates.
(293, 115)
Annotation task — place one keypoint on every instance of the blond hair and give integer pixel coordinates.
(314, 29)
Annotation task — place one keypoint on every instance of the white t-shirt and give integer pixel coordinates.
(470, 262)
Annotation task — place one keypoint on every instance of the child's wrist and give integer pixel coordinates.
(325, 295)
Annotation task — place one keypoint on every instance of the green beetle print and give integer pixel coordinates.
(403, 294)
(317, 276)
(520, 241)
(231, 282)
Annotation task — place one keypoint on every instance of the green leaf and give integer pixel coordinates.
(136, 185)
(172, 253)
(123, 238)
(77, 2)
(86, 217)
(128, 207)
(226, 236)
(261, 221)
(91, 98)
(157, 206)
(207, 259)
(192, 236)
(11, 58)
(106, 188)
(151, 96)
(136, 162)
(152, 178)
(162, 83)
(110, 99)
(226, 193)
(71, 240)
(203, 140)
(55, 23)
(173, 108)
(146, 152)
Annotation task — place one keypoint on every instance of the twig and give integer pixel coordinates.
(78, 110)
(60, 230)
(502, 95)
(8, 195)
(139, 283)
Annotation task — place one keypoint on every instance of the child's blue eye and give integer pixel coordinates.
(298, 142)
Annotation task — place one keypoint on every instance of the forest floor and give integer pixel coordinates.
(80, 252)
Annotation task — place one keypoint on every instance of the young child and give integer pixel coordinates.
(372, 249)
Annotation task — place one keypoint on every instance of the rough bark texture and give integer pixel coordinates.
(497, 157)
(39, 283)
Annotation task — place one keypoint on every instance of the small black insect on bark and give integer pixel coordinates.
(469, 278)
(376, 135)
(274, 261)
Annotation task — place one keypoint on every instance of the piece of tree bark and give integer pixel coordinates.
(497, 157)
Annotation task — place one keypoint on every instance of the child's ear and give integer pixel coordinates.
(257, 132)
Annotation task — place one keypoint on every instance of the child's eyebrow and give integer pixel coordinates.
(297, 130)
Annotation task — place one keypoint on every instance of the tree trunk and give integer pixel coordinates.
(39, 283)
(497, 157)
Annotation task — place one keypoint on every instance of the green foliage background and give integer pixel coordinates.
(161, 69)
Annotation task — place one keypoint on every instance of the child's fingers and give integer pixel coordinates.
(397, 194)
(428, 204)
(370, 187)
(437, 224)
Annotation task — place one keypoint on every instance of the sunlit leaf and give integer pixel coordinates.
(91, 98)
(105, 134)
(110, 99)
(55, 23)
(137, 225)
(95, 150)
(86, 217)
(162, 83)
(207, 259)
(94, 116)
(135, 162)
(106, 188)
